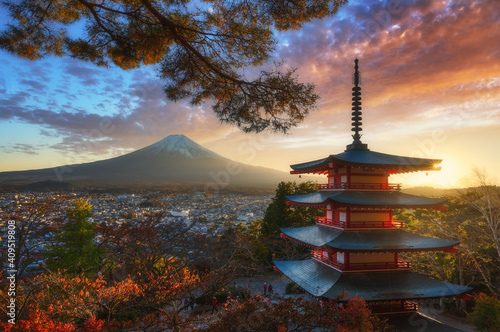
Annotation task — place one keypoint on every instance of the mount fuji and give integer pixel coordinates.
(179, 145)
(174, 160)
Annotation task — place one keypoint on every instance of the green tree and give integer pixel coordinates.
(205, 51)
(279, 215)
(486, 315)
(74, 249)
(477, 263)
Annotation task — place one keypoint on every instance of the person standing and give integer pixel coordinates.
(265, 289)
(214, 305)
(270, 289)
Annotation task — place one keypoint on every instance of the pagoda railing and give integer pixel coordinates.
(406, 306)
(360, 224)
(361, 186)
(318, 255)
(330, 222)
(400, 264)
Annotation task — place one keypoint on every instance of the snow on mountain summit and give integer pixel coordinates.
(180, 144)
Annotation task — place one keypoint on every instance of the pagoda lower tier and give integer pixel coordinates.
(322, 281)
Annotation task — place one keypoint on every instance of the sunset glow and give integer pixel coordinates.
(430, 89)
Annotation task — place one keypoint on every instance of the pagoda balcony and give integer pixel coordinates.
(318, 256)
(379, 308)
(358, 267)
(359, 224)
(329, 222)
(360, 186)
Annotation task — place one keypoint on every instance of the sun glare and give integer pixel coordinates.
(447, 177)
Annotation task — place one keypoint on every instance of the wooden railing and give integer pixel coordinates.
(400, 264)
(361, 186)
(360, 224)
(406, 306)
(318, 255)
(330, 222)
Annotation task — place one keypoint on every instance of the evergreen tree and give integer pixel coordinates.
(278, 214)
(74, 249)
(203, 49)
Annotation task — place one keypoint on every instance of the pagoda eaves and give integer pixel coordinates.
(321, 281)
(373, 199)
(366, 158)
(370, 240)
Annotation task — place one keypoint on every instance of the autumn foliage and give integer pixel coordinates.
(145, 277)
(81, 304)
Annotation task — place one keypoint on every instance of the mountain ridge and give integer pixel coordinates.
(174, 159)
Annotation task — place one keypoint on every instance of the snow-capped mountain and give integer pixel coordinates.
(179, 144)
(173, 160)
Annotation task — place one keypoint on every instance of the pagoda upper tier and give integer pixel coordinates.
(364, 158)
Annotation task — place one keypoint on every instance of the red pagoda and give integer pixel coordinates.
(356, 245)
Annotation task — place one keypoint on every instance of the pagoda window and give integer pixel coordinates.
(332, 176)
(342, 217)
(340, 257)
(329, 213)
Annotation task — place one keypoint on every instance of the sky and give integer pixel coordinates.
(430, 88)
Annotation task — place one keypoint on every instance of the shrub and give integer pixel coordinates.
(486, 315)
(292, 288)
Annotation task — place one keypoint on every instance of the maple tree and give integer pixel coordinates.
(295, 314)
(31, 228)
(55, 300)
(238, 247)
(204, 51)
(149, 247)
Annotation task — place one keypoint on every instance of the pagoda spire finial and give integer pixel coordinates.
(356, 111)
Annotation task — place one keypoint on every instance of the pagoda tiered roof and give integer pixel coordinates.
(356, 245)
(367, 158)
(369, 240)
(322, 281)
(379, 199)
